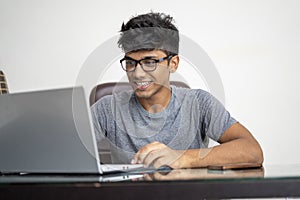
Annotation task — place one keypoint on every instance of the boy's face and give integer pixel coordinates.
(148, 84)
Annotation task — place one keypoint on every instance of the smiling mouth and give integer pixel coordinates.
(142, 85)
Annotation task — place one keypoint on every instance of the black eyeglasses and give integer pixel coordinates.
(148, 64)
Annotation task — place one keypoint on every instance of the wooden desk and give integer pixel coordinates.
(270, 181)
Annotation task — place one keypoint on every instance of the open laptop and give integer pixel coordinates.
(50, 132)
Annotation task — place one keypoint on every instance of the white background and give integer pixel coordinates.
(254, 45)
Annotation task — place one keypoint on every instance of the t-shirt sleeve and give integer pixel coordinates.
(98, 118)
(215, 119)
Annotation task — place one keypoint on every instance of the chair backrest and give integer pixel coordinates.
(107, 88)
(3, 84)
(104, 89)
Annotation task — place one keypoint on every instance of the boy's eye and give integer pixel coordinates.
(149, 62)
(130, 62)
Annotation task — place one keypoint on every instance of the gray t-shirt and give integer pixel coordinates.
(192, 116)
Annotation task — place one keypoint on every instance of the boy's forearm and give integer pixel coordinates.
(236, 151)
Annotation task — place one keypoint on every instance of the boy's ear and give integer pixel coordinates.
(173, 64)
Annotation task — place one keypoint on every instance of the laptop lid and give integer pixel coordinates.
(47, 132)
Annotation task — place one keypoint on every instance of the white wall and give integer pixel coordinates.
(254, 44)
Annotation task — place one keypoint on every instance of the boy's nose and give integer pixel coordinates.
(139, 72)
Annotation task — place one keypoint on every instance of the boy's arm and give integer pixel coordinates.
(237, 145)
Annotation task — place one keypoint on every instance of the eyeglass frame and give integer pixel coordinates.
(168, 57)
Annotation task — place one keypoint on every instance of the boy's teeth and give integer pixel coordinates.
(142, 83)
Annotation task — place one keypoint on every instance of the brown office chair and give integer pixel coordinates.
(3, 84)
(106, 89)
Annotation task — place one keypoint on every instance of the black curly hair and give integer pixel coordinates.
(148, 32)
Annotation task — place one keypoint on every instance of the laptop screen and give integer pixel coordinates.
(47, 132)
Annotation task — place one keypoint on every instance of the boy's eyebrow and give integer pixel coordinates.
(149, 57)
(129, 57)
(146, 57)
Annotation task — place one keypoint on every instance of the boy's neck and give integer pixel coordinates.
(158, 102)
